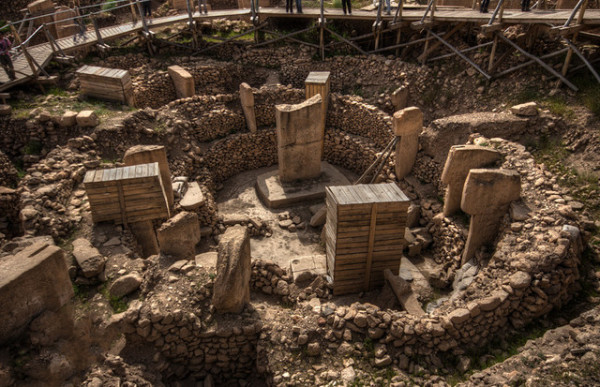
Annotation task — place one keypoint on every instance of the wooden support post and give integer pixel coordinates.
(141, 11)
(565, 67)
(50, 41)
(573, 48)
(461, 55)
(493, 53)
(322, 38)
(97, 30)
(398, 38)
(29, 31)
(433, 8)
(371, 246)
(192, 24)
(133, 14)
(540, 62)
(434, 46)
(426, 48)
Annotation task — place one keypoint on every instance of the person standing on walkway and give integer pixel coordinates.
(289, 6)
(147, 8)
(79, 22)
(525, 5)
(347, 4)
(388, 7)
(484, 6)
(299, 6)
(5, 59)
(201, 4)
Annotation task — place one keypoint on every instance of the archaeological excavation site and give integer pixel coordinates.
(318, 193)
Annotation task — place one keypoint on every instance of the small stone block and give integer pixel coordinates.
(87, 119)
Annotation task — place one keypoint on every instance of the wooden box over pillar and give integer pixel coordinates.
(127, 194)
(105, 83)
(317, 82)
(364, 234)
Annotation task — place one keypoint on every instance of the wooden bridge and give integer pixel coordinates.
(30, 61)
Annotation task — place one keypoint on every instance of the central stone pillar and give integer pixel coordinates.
(461, 159)
(299, 139)
(486, 197)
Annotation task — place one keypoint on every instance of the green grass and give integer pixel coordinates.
(33, 147)
(108, 5)
(589, 92)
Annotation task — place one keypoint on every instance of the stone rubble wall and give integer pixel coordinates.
(186, 344)
(46, 201)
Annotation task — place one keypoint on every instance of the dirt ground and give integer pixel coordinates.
(238, 197)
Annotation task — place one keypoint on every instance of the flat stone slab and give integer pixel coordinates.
(277, 194)
(193, 197)
(307, 267)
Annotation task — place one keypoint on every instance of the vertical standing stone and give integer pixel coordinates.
(318, 82)
(407, 125)
(299, 139)
(231, 291)
(461, 159)
(400, 98)
(486, 197)
(142, 154)
(183, 81)
(247, 101)
(179, 235)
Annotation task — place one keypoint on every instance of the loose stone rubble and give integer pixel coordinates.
(231, 318)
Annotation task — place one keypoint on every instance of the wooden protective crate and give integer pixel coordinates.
(105, 83)
(364, 234)
(126, 194)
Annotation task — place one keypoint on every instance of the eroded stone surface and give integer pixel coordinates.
(299, 138)
(407, 124)
(33, 280)
(461, 159)
(232, 284)
(179, 235)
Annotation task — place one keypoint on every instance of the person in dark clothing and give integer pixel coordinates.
(299, 6)
(525, 5)
(147, 9)
(5, 59)
(484, 6)
(289, 6)
(347, 4)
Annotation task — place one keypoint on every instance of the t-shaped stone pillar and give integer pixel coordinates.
(407, 125)
(461, 159)
(299, 139)
(486, 197)
(247, 100)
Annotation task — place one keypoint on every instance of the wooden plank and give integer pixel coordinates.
(371, 245)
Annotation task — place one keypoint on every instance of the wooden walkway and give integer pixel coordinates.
(42, 54)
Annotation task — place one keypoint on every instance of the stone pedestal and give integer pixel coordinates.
(277, 194)
(299, 139)
(183, 81)
(486, 197)
(141, 154)
(407, 124)
(247, 101)
(461, 159)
